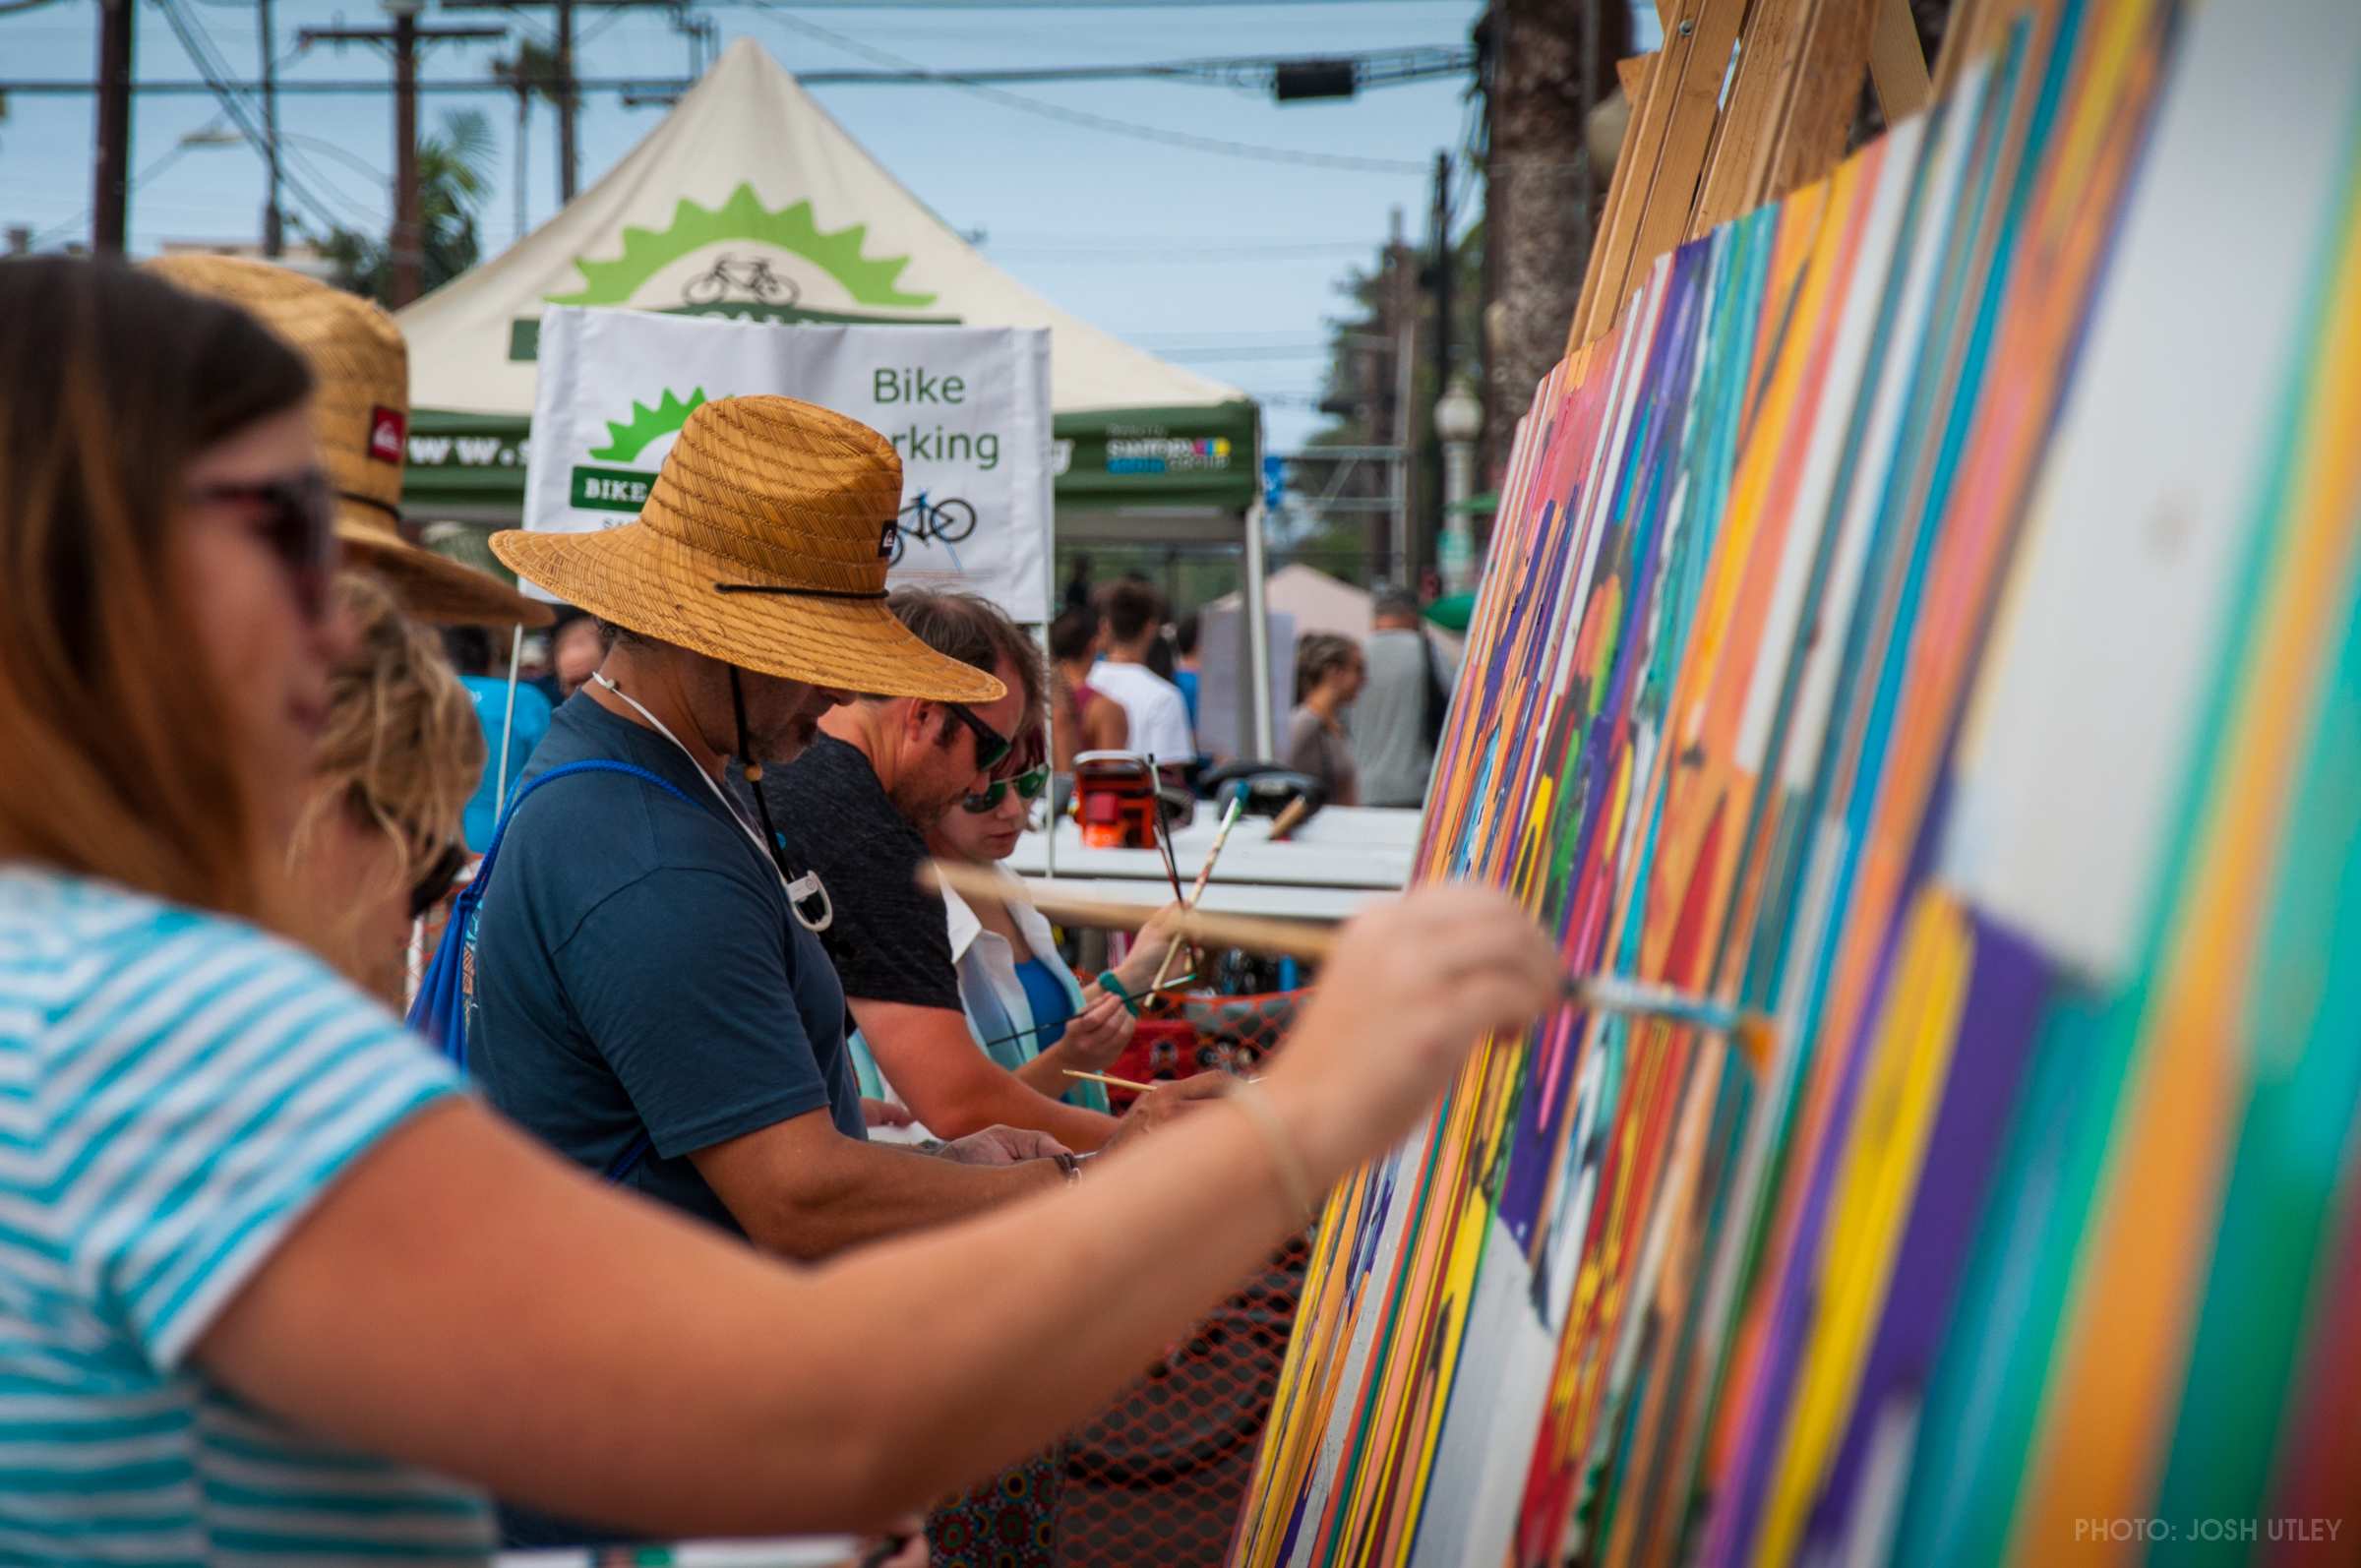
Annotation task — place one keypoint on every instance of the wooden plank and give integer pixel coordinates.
(1613, 218)
(1768, 49)
(1825, 91)
(1962, 35)
(1696, 105)
(1632, 74)
(1633, 192)
(1897, 63)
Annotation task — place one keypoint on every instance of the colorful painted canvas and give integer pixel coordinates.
(1931, 619)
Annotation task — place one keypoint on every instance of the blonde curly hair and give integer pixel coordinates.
(401, 752)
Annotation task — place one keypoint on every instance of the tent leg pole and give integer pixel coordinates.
(1258, 639)
(507, 723)
(1049, 746)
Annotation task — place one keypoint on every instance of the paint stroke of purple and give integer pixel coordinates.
(2007, 989)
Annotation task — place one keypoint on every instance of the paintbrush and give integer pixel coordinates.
(1290, 818)
(1059, 1023)
(1132, 1084)
(1237, 806)
(1749, 1032)
(1279, 938)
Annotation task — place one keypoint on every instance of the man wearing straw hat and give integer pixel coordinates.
(360, 415)
(651, 996)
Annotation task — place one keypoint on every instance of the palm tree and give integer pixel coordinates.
(454, 178)
(531, 73)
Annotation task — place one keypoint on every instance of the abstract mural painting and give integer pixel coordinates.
(1930, 621)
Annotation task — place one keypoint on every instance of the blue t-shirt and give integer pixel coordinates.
(176, 1091)
(490, 699)
(636, 967)
(1045, 994)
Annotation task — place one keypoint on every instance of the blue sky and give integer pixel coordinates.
(1227, 263)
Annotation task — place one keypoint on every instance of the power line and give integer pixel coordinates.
(1095, 122)
(199, 44)
(1156, 254)
(1074, 5)
(1253, 72)
(180, 150)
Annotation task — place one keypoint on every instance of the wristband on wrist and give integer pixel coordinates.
(1114, 987)
(1249, 1096)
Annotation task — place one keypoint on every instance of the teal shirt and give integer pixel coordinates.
(177, 1091)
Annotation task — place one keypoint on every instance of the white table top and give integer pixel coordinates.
(1339, 860)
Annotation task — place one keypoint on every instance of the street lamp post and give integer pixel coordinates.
(1458, 421)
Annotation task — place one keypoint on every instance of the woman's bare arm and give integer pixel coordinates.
(463, 1300)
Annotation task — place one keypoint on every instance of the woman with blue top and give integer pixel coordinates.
(272, 1284)
(1024, 1006)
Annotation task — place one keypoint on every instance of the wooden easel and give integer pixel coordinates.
(1695, 155)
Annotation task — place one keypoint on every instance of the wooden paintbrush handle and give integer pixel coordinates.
(1273, 938)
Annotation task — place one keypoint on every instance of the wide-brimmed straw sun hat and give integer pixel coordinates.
(361, 415)
(764, 544)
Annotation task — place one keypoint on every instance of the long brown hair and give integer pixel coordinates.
(120, 762)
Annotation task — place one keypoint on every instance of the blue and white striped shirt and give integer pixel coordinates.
(176, 1090)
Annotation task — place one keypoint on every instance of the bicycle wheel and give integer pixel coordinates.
(773, 289)
(706, 289)
(954, 519)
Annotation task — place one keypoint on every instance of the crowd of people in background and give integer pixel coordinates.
(319, 1302)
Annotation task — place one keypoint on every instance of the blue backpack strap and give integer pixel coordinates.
(440, 1009)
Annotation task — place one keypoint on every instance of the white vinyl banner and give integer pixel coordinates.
(967, 407)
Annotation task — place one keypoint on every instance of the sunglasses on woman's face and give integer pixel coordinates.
(298, 524)
(991, 746)
(1028, 786)
(431, 888)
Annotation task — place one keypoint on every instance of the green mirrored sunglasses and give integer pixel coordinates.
(1028, 786)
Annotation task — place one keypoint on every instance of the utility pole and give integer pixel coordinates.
(562, 55)
(110, 194)
(408, 257)
(405, 250)
(566, 165)
(1441, 283)
(1402, 327)
(274, 225)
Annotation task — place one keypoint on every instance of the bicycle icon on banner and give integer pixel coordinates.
(755, 277)
(945, 522)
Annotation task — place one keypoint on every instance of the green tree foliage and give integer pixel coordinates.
(455, 175)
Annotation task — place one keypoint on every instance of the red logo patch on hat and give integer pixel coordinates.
(386, 427)
(885, 540)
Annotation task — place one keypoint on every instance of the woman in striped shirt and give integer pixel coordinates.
(272, 1284)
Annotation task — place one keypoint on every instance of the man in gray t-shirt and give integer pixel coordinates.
(1400, 705)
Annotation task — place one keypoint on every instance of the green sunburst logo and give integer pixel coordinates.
(869, 281)
(627, 439)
